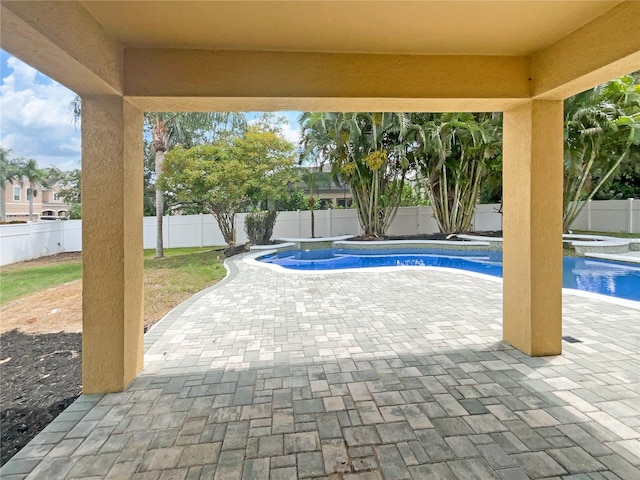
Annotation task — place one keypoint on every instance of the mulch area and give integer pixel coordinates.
(432, 236)
(41, 376)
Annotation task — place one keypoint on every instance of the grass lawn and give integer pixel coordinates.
(182, 272)
(168, 281)
(17, 281)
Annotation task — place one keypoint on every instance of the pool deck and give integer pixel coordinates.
(358, 376)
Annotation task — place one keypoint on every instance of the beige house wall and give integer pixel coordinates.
(43, 201)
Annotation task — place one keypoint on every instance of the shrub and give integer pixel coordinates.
(259, 226)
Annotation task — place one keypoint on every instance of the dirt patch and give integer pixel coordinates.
(57, 309)
(51, 259)
(40, 378)
(231, 251)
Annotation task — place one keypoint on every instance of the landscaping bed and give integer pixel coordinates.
(41, 376)
(429, 236)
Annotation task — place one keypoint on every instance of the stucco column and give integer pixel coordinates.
(532, 223)
(112, 299)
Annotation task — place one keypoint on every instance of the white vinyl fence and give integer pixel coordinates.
(33, 240)
(610, 216)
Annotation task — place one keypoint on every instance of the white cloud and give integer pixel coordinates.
(35, 118)
(291, 133)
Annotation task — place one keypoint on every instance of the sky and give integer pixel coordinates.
(36, 121)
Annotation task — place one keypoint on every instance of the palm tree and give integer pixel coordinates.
(29, 169)
(186, 128)
(314, 178)
(368, 150)
(602, 131)
(453, 163)
(8, 171)
(315, 150)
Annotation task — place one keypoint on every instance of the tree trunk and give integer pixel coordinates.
(31, 202)
(3, 204)
(159, 144)
(227, 224)
(313, 220)
(159, 205)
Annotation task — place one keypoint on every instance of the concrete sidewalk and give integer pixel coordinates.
(357, 376)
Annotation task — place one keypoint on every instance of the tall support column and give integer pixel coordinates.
(112, 299)
(532, 223)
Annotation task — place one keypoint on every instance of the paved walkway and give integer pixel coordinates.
(357, 376)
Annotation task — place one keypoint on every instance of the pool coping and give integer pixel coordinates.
(617, 257)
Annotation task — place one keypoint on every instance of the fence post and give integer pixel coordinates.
(61, 223)
(630, 210)
(30, 240)
(168, 224)
(201, 230)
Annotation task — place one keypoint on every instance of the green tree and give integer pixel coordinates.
(413, 196)
(68, 182)
(231, 175)
(624, 185)
(602, 131)
(292, 200)
(187, 128)
(452, 160)
(70, 188)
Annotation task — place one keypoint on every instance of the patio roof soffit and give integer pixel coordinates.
(63, 41)
(229, 80)
(606, 48)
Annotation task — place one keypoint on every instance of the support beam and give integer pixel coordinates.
(604, 49)
(532, 248)
(316, 104)
(62, 40)
(112, 299)
(300, 80)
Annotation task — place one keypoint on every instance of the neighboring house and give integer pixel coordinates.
(47, 205)
(326, 192)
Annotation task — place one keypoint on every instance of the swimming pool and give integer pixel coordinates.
(614, 279)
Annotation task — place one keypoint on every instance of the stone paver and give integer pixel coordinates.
(357, 376)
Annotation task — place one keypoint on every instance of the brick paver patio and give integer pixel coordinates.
(357, 376)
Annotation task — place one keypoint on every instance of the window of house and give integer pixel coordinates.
(28, 194)
(55, 197)
(16, 194)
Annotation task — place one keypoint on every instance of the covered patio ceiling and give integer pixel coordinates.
(392, 27)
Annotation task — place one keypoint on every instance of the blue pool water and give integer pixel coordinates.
(615, 279)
